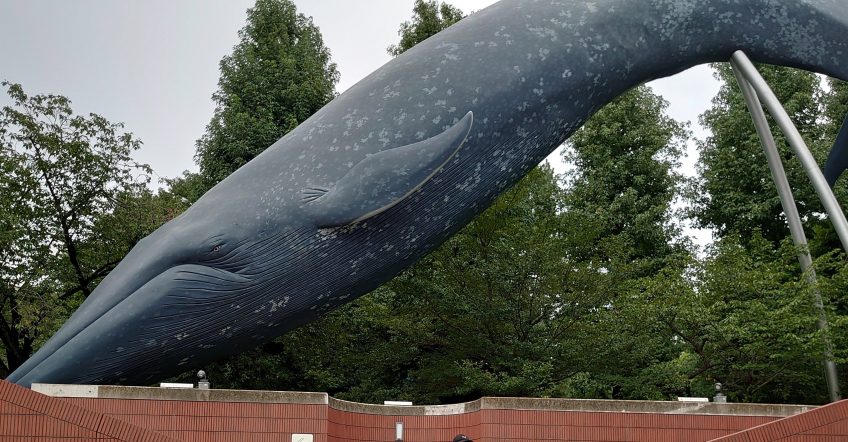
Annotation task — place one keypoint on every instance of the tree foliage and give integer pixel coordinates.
(624, 174)
(744, 319)
(277, 76)
(429, 17)
(73, 203)
(835, 102)
(508, 297)
(624, 177)
(736, 194)
(737, 197)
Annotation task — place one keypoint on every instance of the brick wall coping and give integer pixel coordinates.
(405, 410)
(180, 394)
(662, 407)
(581, 405)
(498, 403)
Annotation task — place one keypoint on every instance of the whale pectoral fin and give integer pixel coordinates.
(384, 179)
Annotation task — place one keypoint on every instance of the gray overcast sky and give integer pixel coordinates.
(154, 64)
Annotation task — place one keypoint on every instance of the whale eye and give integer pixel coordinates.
(216, 248)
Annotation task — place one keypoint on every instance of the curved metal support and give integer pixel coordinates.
(787, 200)
(837, 217)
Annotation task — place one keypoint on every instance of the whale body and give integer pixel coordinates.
(391, 168)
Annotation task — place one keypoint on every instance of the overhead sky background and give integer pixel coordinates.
(154, 64)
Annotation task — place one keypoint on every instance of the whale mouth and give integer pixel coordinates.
(147, 308)
(168, 319)
(129, 276)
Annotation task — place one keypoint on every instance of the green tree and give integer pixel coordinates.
(508, 297)
(71, 197)
(825, 243)
(428, 19)
(624, 177)
(745, 319)
(624, 174)
(277, 76)
(737, 197)
(736, 194)
(189, 186)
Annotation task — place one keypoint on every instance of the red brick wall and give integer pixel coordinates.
(825, 424)
(18, 424)
(347, 426)
(257, 422)
(216, 421)
(29, 416)
(531, 425)
(526, 425)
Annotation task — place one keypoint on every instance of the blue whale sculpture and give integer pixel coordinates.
(837, 160)
(392, 167)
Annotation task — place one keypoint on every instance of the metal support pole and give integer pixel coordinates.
(797, 144)
(793, 219)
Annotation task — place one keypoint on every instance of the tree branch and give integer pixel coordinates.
(66, 230)
(101, 271)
